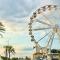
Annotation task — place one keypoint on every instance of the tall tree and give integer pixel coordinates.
(9, 50)
(2, 30)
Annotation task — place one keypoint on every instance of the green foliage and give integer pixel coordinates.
(27, 58)
(9, 50)
(2, 29)
(4, 58)
(14, 58)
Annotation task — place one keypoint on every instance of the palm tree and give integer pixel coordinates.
(9, 50)
(2, 29)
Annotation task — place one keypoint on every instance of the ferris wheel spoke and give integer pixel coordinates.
(43, 36)
(58, 36)
(41, 29)
(43, 22)
(51, 38)
(47, 19)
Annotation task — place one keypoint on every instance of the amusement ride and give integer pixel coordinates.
(44, 29)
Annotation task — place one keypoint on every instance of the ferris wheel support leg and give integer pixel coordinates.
(50, 57)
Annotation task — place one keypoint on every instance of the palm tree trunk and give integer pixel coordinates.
(6, 53)
(9, 55)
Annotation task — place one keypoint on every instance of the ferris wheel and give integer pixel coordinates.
(44, 26)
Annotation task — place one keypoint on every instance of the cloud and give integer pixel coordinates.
(21, 8)
(13, 26)
(21, 50)
(14, 8)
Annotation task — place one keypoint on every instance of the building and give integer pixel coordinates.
(54, 55)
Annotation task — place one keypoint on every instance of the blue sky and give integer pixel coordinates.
(15, 16)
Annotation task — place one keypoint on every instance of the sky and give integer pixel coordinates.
(15, 14)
